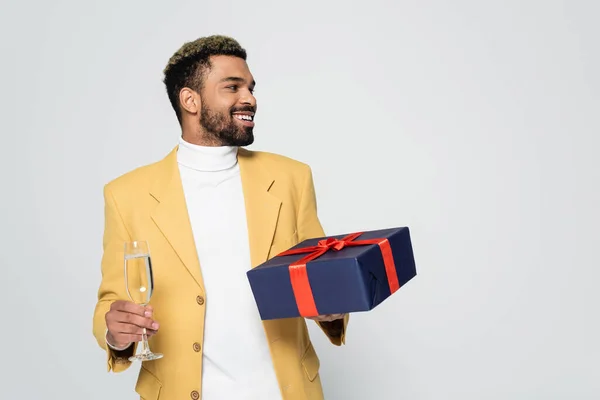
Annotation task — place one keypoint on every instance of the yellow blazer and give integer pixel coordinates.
(148, 204)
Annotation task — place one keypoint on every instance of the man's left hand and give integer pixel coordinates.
(327, 317)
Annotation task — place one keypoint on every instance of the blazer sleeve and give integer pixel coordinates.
(310, 227)
(112, 284)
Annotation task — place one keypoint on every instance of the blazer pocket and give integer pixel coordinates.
(148, 386)
(310, 362)
(282, 244)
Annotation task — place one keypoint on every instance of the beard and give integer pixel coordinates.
(223, 127)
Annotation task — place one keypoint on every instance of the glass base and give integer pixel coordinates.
(146, 356)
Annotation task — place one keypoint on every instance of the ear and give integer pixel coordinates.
(189, 100)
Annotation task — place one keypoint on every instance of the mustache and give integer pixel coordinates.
(243, 108)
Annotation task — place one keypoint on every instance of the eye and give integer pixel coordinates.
(232, 87)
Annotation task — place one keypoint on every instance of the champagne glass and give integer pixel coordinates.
(139, 284)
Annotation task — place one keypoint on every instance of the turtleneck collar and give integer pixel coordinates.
(206, 158)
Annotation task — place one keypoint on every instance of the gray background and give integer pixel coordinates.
(475, 123)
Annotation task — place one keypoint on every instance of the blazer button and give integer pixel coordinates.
(195, 395)
(200, 300)
(196, 347)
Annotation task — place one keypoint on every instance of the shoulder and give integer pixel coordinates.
(277, 163)
(140, 178)
(291, 177)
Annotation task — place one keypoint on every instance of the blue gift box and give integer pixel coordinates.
(349, 280)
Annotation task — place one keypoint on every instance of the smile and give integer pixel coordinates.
(244, 117)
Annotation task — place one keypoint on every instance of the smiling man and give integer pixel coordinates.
(210, 211)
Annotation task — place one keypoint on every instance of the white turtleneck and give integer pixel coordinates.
(236, 358)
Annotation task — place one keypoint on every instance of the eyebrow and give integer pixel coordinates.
(236, 79)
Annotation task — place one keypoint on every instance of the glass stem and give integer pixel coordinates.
(145, 346)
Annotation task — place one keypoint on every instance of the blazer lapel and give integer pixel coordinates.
(171, 215)
(262, 207)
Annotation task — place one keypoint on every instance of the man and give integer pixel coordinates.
(210, 211)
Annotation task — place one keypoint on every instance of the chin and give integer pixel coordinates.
(245, 139)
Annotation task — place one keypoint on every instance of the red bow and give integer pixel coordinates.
(299, 277)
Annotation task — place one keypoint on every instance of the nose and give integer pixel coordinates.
(248, 98)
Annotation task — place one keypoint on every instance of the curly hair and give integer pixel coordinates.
(188, 66)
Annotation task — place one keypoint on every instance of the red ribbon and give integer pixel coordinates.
(299, 276)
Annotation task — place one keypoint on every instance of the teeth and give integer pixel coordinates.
(244, 117)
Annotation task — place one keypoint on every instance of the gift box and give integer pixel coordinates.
(335, 274)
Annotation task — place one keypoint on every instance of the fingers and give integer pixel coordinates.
(126, 330)
(131, 313)
(123, 328)
(122, 340)
(121, 334)
(135, 320)
(126, 320)
(132, 308)
(327, 317)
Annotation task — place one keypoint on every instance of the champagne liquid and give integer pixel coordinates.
(139, 280)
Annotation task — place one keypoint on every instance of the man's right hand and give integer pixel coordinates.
(125, 321)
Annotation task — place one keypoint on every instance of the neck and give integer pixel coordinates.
(205, 157)
(194, 134)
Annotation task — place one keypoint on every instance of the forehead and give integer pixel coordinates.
(228, 67)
